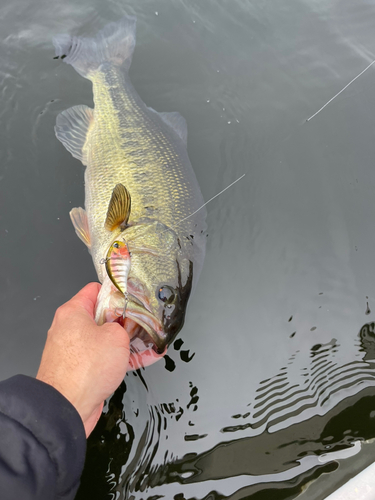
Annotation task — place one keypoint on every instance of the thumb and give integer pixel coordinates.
(117, 333)
(86, 298)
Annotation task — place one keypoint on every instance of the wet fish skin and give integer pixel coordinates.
(122, 141)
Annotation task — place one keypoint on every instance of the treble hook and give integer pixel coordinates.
(123, 313)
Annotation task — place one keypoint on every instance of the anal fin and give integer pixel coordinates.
(72, 127)
(78, 217)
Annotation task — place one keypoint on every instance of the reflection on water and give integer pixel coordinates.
(269, 384)
(301, 427)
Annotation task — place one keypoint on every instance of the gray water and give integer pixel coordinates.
(269, 390)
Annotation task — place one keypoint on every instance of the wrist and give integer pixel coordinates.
(75, 395)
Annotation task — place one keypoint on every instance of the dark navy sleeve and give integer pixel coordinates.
(42, 442)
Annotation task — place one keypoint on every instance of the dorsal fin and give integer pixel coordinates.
(118, 209)
(176, 121)
(72, 127)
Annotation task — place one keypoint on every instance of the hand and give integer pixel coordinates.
(83, 361)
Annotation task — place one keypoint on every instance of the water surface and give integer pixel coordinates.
(269, 389)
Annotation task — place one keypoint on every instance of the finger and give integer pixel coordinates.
(117, 333)
(86, 297)
(115, 329)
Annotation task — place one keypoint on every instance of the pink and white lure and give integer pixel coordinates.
(117, 264)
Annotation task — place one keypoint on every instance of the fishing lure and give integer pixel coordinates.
(117, 264)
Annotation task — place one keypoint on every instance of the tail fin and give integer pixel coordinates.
(114, 43)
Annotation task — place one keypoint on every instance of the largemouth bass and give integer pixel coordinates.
(140, 188)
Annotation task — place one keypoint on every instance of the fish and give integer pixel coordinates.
(140, 188)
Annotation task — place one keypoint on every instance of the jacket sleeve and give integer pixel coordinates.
(42, 442)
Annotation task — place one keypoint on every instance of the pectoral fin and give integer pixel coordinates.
(118, 209)
(78, 217)
(72, 128)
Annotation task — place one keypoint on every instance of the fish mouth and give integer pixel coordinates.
(140, 323)
(142, 326)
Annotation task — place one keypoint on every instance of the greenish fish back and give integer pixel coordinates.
(175, 121)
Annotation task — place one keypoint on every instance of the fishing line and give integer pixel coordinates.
(204, 204)
(242, 176)
(198, 209)
(342, 90)
(216, 195)
(295, 129)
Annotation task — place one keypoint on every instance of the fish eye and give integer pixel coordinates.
(166, 294)
(115, 245)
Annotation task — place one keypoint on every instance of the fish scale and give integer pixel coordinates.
(141, 155)
(170, 192)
